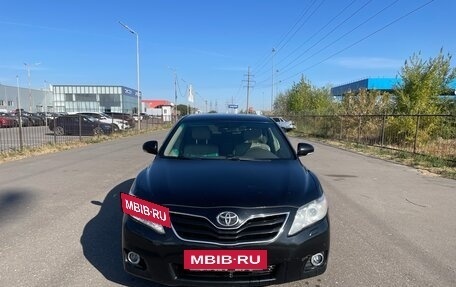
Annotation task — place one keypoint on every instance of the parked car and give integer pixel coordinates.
(284, 124)
(8, 121)
(34, 119)
(78, 125)
(232, 184)
(117, 124)
(25, 121)
(122, 116)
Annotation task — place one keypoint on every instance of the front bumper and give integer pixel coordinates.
(162, 257)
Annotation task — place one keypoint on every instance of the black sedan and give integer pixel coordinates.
(78, 125)
(243, 209)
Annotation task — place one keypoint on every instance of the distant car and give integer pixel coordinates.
(117, 124)
(122, 116)
(25, 121)
(78, 125)
(8, 121)
(238, 196)
(284, 124)
(34, 119)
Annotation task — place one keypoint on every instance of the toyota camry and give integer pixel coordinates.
(242, 210)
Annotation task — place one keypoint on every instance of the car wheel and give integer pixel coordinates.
(98, 131)
(59, 131)
(115, 128)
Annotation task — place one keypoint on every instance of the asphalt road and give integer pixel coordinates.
(60, 219)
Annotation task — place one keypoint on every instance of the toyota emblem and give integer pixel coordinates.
(227, 219)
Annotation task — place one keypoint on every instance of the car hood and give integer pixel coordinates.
(211, 183)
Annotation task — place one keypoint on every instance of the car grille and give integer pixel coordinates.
(226, 276)
(254, 230)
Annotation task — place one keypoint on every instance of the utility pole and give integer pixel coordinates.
(272, 88)
(175, 93)
(249, 82)
(175, 96)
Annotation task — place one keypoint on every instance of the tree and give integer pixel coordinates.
(304, 98)
(422, 84)
(182, 109)
(298, 95)
(365, 102)
(280, 104)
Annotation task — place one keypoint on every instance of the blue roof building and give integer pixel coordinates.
(378, 84)
(381, 84)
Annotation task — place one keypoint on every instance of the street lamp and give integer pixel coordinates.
(27, 67)
(137, 70)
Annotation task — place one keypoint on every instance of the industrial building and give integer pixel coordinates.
(74, 98)
(70, 98)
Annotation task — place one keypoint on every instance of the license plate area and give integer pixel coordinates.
(225, 260)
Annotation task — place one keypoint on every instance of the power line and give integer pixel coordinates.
(362, 39)
(285, 69)
(308, 18)
(325, 36)
(266, 60)
(317, 32)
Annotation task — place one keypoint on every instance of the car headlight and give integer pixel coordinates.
(309, 214)
(157, 227)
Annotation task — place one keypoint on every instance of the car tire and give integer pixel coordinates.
(115, 128)
(58, 130)
(98, 131)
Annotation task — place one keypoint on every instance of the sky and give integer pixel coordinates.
(218, 47)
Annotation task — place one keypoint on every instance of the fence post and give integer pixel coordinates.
(21, 138)
(80, 127)
(359, 130)
(416, 133)
(53, 125)
(383, 129)
(341, 128)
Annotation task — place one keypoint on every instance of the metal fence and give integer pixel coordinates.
(433, 135)
(17, 137)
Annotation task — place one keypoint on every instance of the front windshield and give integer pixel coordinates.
(90, 119)
(228, 140)
(105, 115)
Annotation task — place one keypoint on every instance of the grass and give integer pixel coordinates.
(50, 147)
(426, 164)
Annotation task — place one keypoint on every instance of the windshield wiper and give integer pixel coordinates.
(238, 158)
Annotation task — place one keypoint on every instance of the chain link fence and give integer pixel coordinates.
(61, 130)
(432, 135)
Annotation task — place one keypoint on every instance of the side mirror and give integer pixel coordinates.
(304, 149)
(150, 147)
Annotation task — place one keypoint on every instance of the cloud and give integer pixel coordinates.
(370, 63)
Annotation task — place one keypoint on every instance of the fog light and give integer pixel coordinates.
(133, 258)
(317, 259)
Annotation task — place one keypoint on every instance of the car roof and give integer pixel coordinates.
(226, 117)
